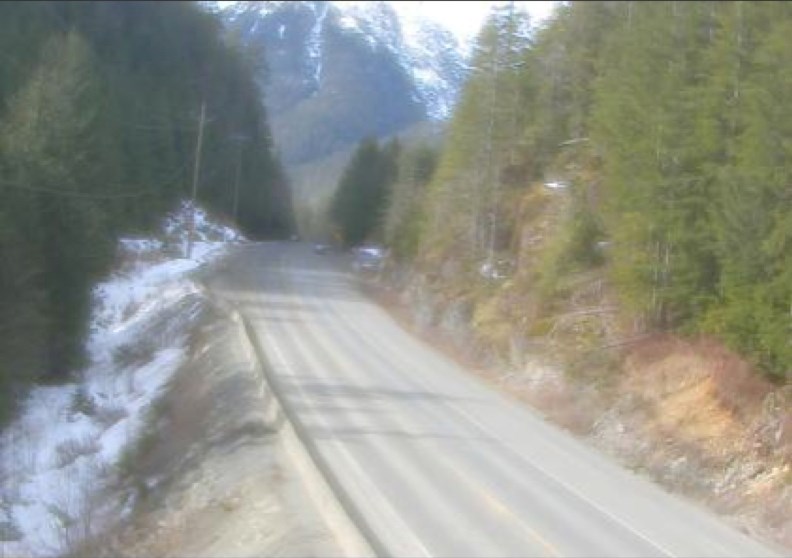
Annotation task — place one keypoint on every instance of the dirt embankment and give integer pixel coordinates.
(690, 414)
(211, 477)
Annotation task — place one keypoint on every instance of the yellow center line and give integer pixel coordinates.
(503, 510)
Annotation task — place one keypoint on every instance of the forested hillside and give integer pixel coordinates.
(99, 117)
(665, 127)
(359, 201)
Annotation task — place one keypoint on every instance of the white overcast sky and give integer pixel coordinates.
(465, 19)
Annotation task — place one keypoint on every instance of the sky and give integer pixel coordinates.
(465, 19)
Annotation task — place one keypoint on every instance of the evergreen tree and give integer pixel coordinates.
(465, 197)
(404, 212)
(358, 204)
(49, 144)
(681, 107)
(97, 130)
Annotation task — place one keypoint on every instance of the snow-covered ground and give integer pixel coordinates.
(68, 441)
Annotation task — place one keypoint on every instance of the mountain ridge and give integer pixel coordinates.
(338, 73)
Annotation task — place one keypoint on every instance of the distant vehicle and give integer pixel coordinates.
(369, 258)
(322, 248)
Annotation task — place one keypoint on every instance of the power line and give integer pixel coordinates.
(72, 194)
(153, 127)
(93, 195)
(196, 171)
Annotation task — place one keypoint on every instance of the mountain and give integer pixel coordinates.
(336, 73)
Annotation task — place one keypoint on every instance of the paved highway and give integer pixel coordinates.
(434, 461)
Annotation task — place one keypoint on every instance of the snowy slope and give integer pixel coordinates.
(68, 442)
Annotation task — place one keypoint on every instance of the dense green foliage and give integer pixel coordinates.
(679, 112)
(404, 218)
(465, 206)
(98, 124)
(362, 192)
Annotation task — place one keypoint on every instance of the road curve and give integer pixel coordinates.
(436, 462)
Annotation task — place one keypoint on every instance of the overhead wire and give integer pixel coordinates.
(94, 195)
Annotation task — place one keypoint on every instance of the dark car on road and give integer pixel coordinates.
(369, 258)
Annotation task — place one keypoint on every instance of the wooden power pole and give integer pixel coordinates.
(236, 183)
(196, 171)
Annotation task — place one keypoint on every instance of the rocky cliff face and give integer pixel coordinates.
(336, 73)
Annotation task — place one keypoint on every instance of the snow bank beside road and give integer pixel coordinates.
(68, 441)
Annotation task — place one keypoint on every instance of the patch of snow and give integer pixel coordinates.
(140, 245)
(235, 8)
(425, 49)
(65, 446)
(206, 228)
(346, 21)
(314, 46)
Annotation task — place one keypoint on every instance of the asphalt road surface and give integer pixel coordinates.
(434, 461)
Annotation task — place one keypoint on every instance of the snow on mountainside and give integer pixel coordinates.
(426, 51)
(338, 72)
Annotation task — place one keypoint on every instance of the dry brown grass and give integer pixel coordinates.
(571, 410)
(689, 390)
(738, 386)
(697, 373)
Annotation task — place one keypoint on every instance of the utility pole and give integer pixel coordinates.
(196, 170)
(236, 183)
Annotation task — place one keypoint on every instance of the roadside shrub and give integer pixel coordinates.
(582, 247)
(82, 403)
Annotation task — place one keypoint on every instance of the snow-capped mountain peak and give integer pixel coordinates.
(337, 72)
(427, 51)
